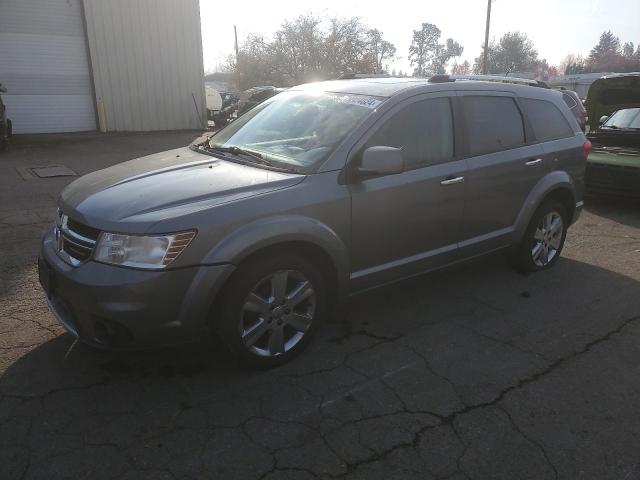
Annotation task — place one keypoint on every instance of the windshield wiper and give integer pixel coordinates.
(256, 157)
(238, 151)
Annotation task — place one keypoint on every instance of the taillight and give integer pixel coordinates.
(586, 148)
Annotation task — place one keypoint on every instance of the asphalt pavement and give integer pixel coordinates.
(476, 372)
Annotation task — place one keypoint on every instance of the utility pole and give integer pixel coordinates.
(235, 34)
(486, 39)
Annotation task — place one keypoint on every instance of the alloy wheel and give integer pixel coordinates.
(547, 239)
(277, 313)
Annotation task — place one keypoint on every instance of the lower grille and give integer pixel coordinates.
(75, 241)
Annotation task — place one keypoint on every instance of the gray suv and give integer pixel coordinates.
(322, 191)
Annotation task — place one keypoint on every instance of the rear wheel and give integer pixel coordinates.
(270, 309)
(544, 239)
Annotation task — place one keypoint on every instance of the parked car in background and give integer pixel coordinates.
(320, 192)
(254, 96)
(5, 123)
(614, 166)
(228, 111)
(576, 106)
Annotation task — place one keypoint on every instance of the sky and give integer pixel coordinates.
(556, 27)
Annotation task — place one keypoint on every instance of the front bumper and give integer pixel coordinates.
(125, 308)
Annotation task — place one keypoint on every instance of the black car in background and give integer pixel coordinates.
(5, 123)
(228, 110)
(613, 168)
(254, 96)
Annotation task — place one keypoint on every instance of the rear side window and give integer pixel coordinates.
(547, 121)
(493, 124)
(568, 99)
(423, 130)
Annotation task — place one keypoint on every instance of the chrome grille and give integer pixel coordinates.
(75, 241)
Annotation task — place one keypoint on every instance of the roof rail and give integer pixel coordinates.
(501, 79)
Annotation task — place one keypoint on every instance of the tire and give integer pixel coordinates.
(530, 255)
(261, 318)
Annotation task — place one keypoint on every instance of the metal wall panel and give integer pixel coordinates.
(146, 57)
(44, 65)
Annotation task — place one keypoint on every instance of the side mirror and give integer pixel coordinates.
(380, 161)
(603, 119)
(3, 89)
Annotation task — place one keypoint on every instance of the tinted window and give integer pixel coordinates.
(494, 124)
(423, 130)
(547, 121)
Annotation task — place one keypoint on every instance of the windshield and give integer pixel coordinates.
(296, 129)
(627, 118)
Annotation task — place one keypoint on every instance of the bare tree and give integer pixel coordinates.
(570, 63)
(309, 48)
(345, 44)
(463, 68)
(296, 52)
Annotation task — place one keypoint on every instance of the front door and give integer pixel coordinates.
(410, 222)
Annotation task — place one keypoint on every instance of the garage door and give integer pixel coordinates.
(44, 65)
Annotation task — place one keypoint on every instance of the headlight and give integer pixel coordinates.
(142, 251)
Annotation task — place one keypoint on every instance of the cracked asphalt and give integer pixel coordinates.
(471, 373)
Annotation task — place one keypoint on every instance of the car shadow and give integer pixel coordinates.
(620, 210)
(484, 294)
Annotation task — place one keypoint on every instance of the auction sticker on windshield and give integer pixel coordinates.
(359, 100)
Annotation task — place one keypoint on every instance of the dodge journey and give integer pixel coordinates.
(320, 192)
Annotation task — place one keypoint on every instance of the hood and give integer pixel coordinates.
(611, 93)
(150, 189)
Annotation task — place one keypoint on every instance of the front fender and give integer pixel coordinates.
(267, 232)
(551, 181)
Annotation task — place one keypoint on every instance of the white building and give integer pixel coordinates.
(108, 65)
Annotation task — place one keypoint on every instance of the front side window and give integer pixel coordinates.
(547, 121)
(297, 129)
(493, 124)
(423, 131)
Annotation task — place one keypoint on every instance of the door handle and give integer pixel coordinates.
(531, 163)
(452, 181)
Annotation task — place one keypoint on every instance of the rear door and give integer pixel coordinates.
(503, 166)
(562, 151)
(406, 223)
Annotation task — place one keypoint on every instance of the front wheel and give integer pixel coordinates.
(270, 309)
(544, 239)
